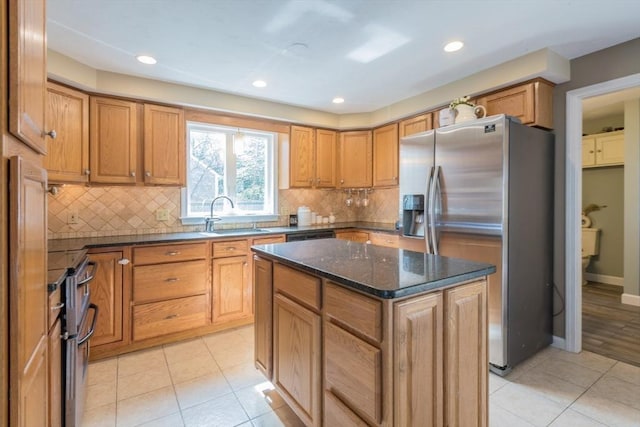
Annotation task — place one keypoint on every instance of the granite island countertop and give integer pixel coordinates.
(380, 271)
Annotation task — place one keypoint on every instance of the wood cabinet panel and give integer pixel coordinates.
(385, 156)
(353, 371)
(604, 149)
(55, 375)
(355, 156)
(302, 157)
(337, 413)
(28, 72)
(113, 140)
(232, 291)
(263, 307)
(466, 368)
(415, 124)
(169, 253)
(326, 155)
(164, 281)
(165, 317)
(230, 248)
(297, 353)
(385, 239)
(67, 158)
(361, 313)
(55, 306)
(411, 244)
(418, 361)
(300, 286)
(108, 294)
(355, 236)
(164, 145)
(280, 238)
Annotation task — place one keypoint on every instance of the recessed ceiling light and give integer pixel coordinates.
(259, 83)
(149, 60)
(453, 46)
(338, 100)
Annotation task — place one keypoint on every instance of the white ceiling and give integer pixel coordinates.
(611, 104)
(371, 52)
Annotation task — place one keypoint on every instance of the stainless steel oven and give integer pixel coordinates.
(79, 324)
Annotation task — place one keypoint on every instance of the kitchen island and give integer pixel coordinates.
(353, 334)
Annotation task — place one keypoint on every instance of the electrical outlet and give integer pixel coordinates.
(162, 215)
(72, 217)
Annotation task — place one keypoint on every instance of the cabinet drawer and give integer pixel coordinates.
(300, 286)
(169, 253)
(165, 317)
(164, 281)
(337, 413)
(270, 239)
(357, 311)
(353, 371)
(230, 248)
(384, 239)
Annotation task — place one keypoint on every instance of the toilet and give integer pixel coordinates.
(590, 246)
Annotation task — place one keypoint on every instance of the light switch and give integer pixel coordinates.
(72, 216)
(162, 215)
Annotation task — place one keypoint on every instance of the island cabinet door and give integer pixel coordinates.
(418, 363)
(296, 354)
(263, 306)
(466, 364)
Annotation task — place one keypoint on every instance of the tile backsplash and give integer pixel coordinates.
(118, 210)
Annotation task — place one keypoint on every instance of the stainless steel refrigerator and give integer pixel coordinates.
(483, 190)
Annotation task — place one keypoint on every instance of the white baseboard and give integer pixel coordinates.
(630, 299)
(559, 342)
(603, 278)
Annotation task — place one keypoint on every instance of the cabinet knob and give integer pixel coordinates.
(87, 172)
(171, 279)
(172, 253)
(52, 134)
(123, 261)
(591, 152)
(395, 178)
(147, 173)
(133, 174)
(342, 181)
(599, 151)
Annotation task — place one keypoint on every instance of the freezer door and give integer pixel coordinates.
(472, 181)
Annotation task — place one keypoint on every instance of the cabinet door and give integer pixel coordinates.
(610, 150)
(28, 72)
(588, 151)
(356, 159)
(301, 160)
(326, 151)
(113, 140)
(164, 145)
(385, 156)
(67, 158)
(466, 353)
(418, 363)
(28, 299)
(517, 101)
(55, 375)
(232, 296)
(416, 124)
(296, 358)
(263, 306)
(107, 294)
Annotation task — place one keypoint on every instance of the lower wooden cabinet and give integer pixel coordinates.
(353, 235)
(232, 293)
(55, 375)
(166, 317)
(263, 309)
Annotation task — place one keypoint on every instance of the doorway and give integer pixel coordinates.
(573, 201)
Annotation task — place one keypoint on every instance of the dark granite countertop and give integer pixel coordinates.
(376, 270)
(142, 239)
(60, 262)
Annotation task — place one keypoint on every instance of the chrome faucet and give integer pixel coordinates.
(210, 221)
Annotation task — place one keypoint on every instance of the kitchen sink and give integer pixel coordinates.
(235, 231)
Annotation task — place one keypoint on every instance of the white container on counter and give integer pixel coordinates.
(304, 216)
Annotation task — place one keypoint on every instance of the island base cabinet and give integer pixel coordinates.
(466, 364)
(296, 347)
(263, 308)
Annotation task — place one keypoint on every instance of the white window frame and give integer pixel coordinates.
(235, 217)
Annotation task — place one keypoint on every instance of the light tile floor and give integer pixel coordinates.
(211, 381)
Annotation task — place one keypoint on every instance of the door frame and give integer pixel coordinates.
(573, 202)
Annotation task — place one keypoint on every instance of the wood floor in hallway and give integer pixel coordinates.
(610, 328)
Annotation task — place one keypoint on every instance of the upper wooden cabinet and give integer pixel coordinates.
(113, 140)
(67, 158)
(28, 72)
(603, 149)
(164, 145)
(355, 159)
(313, 157)
(531, 102)
(385, 156)
(415, 124)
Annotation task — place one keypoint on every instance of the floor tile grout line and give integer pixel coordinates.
(173, 385)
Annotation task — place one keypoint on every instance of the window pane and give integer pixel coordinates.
(206, 169)
(251, 161)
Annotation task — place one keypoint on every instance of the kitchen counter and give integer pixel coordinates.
(379, 271)
(142, 239)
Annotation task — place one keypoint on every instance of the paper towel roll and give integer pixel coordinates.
(586, 221)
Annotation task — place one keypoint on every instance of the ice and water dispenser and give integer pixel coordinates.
(413, 215)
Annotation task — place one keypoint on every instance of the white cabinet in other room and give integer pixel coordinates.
(603, 149)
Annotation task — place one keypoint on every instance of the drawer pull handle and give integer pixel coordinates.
(231, 248)
(173, 253)
(171, 279)
(57, 306)
(123, 261)
(171, 316)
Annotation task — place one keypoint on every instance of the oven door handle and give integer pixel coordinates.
(93, 325)
(94, 267)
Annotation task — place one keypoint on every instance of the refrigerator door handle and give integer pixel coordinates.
(427, 213)
(434, 197)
